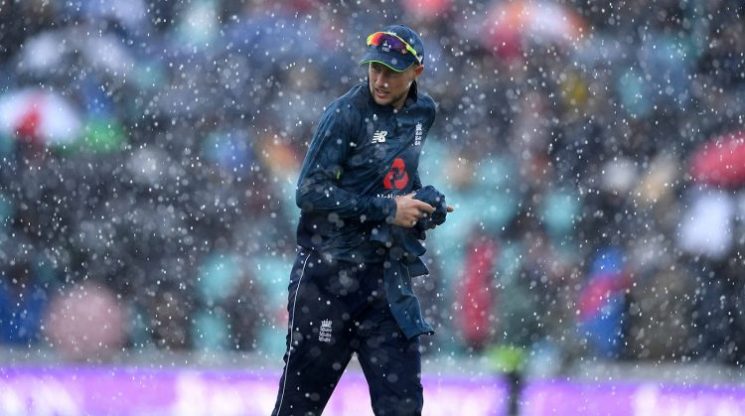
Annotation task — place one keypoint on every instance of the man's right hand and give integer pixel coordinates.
(410, 210)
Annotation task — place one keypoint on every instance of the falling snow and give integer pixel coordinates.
(594, 154)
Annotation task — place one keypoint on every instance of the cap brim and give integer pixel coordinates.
(394, 61)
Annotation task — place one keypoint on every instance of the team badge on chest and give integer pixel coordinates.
(397, 177)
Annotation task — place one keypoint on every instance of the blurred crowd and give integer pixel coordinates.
(595, 156)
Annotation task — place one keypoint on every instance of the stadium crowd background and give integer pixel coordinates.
(149, 151)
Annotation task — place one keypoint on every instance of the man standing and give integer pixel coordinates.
(350, 289)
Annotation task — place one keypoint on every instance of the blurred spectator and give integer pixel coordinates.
(602, 304)
(476, 297)
(85, 323)
(23, 299)
(229, 312)
(666, 316)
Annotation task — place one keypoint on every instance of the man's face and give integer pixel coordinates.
(389, 87)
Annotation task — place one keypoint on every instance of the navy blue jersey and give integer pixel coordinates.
(361, 156)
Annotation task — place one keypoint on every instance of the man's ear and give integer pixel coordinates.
(418, 70)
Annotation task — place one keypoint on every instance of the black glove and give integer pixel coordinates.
(432, 196)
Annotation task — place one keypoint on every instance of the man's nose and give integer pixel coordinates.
(380, 81)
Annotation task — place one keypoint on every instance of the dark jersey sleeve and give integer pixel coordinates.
(318, 188)
(431, 119)
(417, 182)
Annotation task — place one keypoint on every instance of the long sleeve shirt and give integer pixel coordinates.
(361, 155)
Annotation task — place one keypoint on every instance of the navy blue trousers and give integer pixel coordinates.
(335, 310)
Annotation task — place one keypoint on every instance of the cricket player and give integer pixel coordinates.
(361, 202)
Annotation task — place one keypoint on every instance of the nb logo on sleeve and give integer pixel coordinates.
(379, 136)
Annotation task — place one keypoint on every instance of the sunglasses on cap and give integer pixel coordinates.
(392, 41)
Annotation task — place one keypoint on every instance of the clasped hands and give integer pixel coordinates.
(409, 210)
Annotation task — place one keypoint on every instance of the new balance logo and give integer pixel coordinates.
(324, 335)
(379, 136)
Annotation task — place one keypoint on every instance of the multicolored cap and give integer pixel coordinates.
(397, 47)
